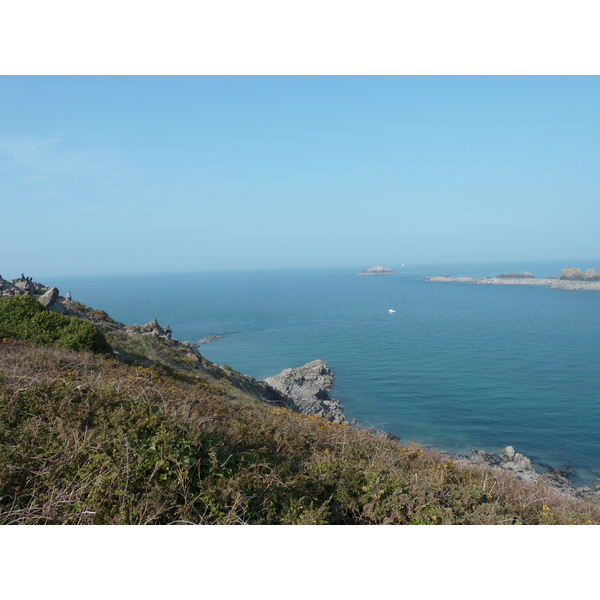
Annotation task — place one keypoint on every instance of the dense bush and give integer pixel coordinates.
(24, 318)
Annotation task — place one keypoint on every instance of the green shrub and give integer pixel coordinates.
(24, 318)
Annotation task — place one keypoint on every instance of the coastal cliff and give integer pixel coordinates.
(151, 432)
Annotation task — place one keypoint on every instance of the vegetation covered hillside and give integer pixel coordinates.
(87, 437)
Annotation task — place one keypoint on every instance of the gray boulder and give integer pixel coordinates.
(518, 464)
(508, 453)
(51, 300)
(48, 298)
(24, 285)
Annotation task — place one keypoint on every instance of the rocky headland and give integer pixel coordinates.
(377, 270)
(570, 279)
(303, 389)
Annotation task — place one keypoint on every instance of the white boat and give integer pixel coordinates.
(391, 310)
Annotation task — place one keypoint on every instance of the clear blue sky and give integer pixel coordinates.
(102, 175)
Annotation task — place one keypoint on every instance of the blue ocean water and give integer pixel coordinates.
(457, 366)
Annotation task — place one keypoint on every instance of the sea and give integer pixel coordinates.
(456, 367)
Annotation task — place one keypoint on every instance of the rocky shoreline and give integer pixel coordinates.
(306, 390)
(510, 461)
(570, 279)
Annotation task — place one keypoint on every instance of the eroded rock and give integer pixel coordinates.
(154, 329)
(307, 389)
(518, 464)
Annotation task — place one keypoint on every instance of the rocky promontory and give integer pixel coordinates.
(570, 279)
(303, 389)
(377, 270)
(307, 388)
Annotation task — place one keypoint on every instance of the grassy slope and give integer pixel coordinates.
(85, 438)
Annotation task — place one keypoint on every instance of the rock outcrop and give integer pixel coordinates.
(377, 270)
(307, 390)
(49, 299)
(7, 287)
(154, 329)
(522, 468)
(518, 464)
(577, 275)
(24, 285)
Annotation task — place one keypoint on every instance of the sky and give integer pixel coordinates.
(154, 174)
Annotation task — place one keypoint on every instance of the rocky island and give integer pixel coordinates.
(377, 270)
(570, 279)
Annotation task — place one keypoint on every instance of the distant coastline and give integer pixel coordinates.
(570, 279)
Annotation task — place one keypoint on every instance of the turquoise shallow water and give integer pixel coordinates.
(457, 366)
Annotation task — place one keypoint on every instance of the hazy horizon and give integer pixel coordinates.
(540, 268)
(110, 175)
